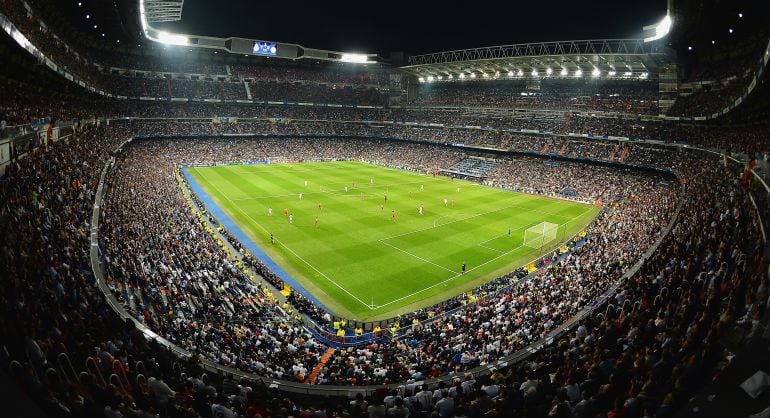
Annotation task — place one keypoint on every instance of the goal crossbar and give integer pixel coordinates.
(541, 234)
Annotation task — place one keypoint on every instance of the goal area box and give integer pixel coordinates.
(541, 234)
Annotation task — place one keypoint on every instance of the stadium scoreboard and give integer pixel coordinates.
(272, 49)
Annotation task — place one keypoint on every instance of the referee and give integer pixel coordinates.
(463, 268)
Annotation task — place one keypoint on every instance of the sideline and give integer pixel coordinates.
(247, 242)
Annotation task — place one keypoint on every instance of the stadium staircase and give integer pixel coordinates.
(563, 149)
(614, 152)
(545, 149)
(321, 363)
(248, 89)
(624, 154)
(168, 85)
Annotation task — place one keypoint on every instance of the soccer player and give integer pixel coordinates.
(458, 190)
(362, 196)
(315, 221)
(453, 203)
(269, 211)
(319, 206)
(509, 232)
(354, 184)
(393, 216)
(463, 268)
(410, 195)
(291, 219)
(386, 197)
(285, 211)
(422, 188)
(272, 238)
(346, 189)
(371, 181)
(421, 209)
(446, 202)
(305, 183)
(382, 207)
(300, 196)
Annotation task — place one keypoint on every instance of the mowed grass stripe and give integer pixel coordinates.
(346, 247)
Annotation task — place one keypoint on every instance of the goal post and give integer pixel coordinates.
(541, 234)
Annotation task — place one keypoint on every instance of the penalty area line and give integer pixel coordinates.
(460, 274)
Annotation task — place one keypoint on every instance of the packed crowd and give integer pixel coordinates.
(708, 99)
(629, 228)
(240, 150)
(602, 95)
(722, 75)
(645, 356)
(333, 73)
(752, 142)
(162, 87)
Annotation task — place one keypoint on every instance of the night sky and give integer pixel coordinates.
(417, 27)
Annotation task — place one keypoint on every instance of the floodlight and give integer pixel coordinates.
(430, 78)
(88, 16)
(354, 58)
(80, 3)
(713, 42)
(612, 73)
(485, 75)
(462, 75)
(421, 79)
(172, 38)
(473, 75)
(449, 76)
(534, 72)
(730, 30)
(440, 77)
(627, 74)
(596, 72)
(578, 72)
(510, 73)
(740, 14)
(497, 73)
(662, 29)
(563, 72)
(689, 48)
(548, 71)
(643, 75)
(521, 72)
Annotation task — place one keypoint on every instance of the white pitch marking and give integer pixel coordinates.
(468, 271)
(285, 246)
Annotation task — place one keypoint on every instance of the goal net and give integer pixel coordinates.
(540, 234)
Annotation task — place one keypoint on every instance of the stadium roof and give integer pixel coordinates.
(614, 57)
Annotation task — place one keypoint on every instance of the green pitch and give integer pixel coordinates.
(361, 262)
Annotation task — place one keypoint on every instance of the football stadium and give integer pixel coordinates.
(237, 209)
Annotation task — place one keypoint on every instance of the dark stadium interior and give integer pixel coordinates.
(123, 295)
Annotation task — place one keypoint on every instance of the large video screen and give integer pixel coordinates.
(264, 48)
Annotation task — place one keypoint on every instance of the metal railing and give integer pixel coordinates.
(534, 49)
